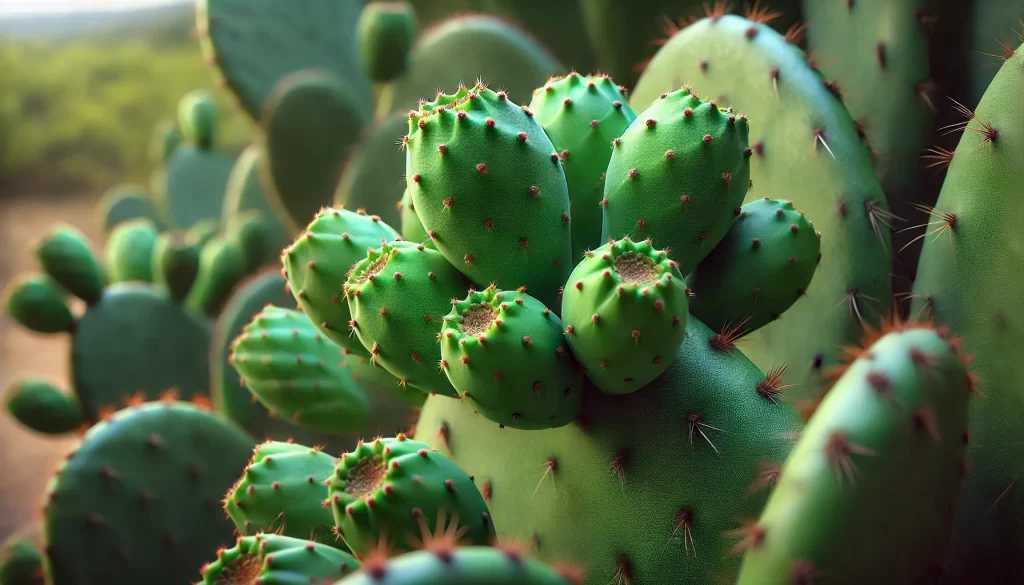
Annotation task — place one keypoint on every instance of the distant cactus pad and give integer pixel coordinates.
(138, 500)
(394, 489)
(126, 203)
(373, 177)
(245, 193)
(386, 32)
(676, 175)
(281, 491)
(298, 373)
(505, 354)
(398, 295)
(271, 559)
(625, 312)
(464, 147)
(443, 564)
(311, 121)
(764, 264)
(867, 492)
(582, 115)
(195, 181)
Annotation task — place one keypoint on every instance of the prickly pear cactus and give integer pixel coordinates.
(21, 558)
(385, 34)
(967, 279)
(412, 227)
(245, 193)
(272, 559)
(129, 251)
(373, 178)
(138, 499)
(125, 203)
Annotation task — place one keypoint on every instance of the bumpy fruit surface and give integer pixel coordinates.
(271, 559)
(443, 564)
(462, 150)
(625, 311)
(764, 264)
(394, 488)
(505, 354)
(676, 175)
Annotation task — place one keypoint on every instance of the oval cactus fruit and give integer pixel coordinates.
(676, 175)
(397, 296)
(485, 342)
(868, 491)
(270, 559)
(444, 564)
(129, 251)
(464, 148)
(385, 35)
(761, 267)
(394, 488)
(625, 310)
(281, 491)
(582, 115)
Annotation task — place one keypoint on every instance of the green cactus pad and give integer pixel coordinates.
(195, 182)
(968, 279)
(251, 233)
(698, 447)
(397, 297)
(556, 25)
(129, 251)
(197, 118)
(270, 559)
(67, 256)
(764, 264)
(582, 115)
(309, 125)
(317, 266)
(38, 303)
(40, 406)
(465, 565)
(392, 489)
(487, 340)
(412, 227)
(625, 310)
(464, 148)
(296, 372)
(468, 48)
(374, 175)
(676, 175)
(254, 44)
(126, 203)
(176, 261)
(21, 559)
(245, 193)
(807, 150)
(868, 491)
(165, 139)
(281, 492)
(221, 267)
(138, 499)
(385, 34)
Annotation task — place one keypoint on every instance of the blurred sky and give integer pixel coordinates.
(66, 6)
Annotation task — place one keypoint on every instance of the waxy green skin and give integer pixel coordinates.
(412, 227)
(870, 489)
(465, 565)
(397, 296)
(245, 194)
(412, 488)
(385, 33)
(763, 265)
(21, 558)
(138, 499)
(969, 279)
(197, 118)
(373, 178)
(794, 118)
(474, 143)
(676, 175)
(281, 491)
(625, 331)
(273, 559)
(582, 115)
(129, 251)
(505, 354)
(125, 203)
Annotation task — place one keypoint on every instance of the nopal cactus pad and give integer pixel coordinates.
(870, 488)
(390, 489)
(272, 559)
(373, 178)
(485, 342)
(582, 115)
(465, 146)
(126, 203)
(138, 501)
(245, 193)
(764, 264)
(397, 296)
(625, 311)
(676, 175)
(385, 34)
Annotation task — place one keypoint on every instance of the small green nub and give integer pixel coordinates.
(197, 118)
(43, 408)
(270, 559)
(253, 234)
(166, 137)
(21, 560)
(38, 303)
(465, 565)
(129, 253)
(65, 254)
(125, 203)
(386, 32)
(176, 262)
(221, 268)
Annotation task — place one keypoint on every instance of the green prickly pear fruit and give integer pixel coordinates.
(221, 267)
(281, 491)
(868, 490)
(392, 488)
(65, 254)
(270, 559)
(42, 407)
(444, 564)
(38, 303)
(625, 310)
(385, 35)
(761, 267)
(129, 252)
(197, 118)
(485, 342)
(676, 175)
(463, 150)
(295, 371)
(582, 115)
(176, 262)
(412, 227)
(165, 138)
(21, 558)
(397, 296)
(253, 234)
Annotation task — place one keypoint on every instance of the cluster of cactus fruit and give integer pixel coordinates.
(553, 333)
